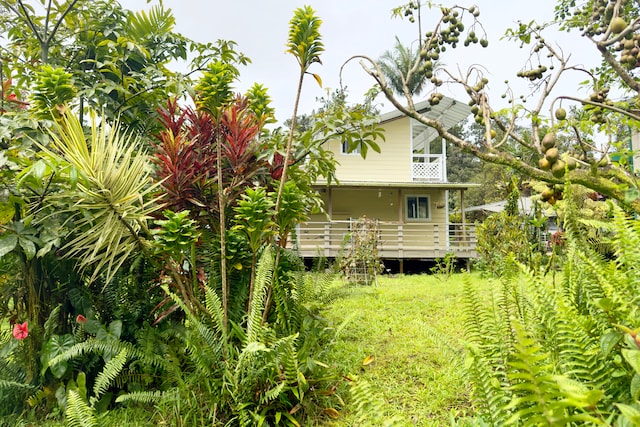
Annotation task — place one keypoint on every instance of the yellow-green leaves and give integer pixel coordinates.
(259, 103)
(215, 89)
(113, 199)
(304, 38)
(52, 90)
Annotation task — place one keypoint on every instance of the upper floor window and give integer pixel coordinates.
(344, 148)
(418, 208)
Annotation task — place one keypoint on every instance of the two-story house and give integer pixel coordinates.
(404, 189)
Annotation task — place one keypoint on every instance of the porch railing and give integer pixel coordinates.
(427, 167)
(395, 239)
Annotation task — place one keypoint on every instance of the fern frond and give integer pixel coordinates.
(536, 397)
(94, 345)
(146, 397)
(272, 394)
(8, 385)
(286, 352)
(109, 372)
(264, 276)
(490, 394)
(213, 304)
(78, 413)
(369, 405)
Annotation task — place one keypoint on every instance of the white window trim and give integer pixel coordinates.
(406, 208)
(344, 152)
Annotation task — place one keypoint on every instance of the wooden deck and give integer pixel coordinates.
(395, 240)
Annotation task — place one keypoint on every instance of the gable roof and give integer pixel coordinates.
(525, 205)
(449, 111)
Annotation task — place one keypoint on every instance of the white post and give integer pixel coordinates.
(443, 170)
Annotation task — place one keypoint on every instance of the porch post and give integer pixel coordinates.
(400, 234)
(443, 170)
(464, 221)
(330, 203)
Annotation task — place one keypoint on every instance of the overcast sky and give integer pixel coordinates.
(349, 27)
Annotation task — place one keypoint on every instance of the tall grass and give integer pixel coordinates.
(410, 329)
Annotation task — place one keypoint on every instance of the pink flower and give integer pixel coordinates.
(81, 319)
(20, 330)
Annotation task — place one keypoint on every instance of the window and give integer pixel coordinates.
(418, 208)
(344, 148)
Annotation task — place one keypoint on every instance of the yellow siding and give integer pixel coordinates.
(392, 164)
(380, 203)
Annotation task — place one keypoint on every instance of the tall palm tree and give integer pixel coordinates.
(396, 65)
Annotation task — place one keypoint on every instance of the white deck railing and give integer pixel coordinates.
(395, 240)
(427, 167)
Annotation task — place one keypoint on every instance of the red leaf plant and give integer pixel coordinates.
(186, 154)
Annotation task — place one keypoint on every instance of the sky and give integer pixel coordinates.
(351, 27)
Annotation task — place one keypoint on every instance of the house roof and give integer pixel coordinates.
(449, 111)
(415, 184)
(525, 205)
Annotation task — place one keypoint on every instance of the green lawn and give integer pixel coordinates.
(413, 327)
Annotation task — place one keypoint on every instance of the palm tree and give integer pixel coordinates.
(397, 65)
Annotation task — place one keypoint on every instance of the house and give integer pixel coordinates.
(404, 189)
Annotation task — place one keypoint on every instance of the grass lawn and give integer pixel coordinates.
(413, 328)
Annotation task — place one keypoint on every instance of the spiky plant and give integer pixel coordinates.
(109, 198)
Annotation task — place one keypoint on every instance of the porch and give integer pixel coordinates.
(396, 240)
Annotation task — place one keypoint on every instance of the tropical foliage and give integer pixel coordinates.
(148, 250)
(559, 352)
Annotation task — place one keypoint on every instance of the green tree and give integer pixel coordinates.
(612, 27)
(396, 65)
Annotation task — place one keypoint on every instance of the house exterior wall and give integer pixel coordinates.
(393, 164)
(377, 188)
(384, 204)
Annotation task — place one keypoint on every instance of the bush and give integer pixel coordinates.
(543, 352)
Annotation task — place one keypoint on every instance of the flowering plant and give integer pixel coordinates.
(21, 330)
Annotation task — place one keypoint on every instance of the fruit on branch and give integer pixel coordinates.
(630, 51)
(617, 25)
(552, 155)
(548, 141)
(561, 113)
(435, 98)
(558, 168)
(533, 74)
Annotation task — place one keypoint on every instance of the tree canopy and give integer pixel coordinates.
(596, 129)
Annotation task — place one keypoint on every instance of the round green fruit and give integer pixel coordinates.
(561, 114)
(549, 141)
(547, 194)
(544, 164)
(558, 169)
(571, 163)
(617, 25)
(551, 154)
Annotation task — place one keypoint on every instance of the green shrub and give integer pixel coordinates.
(543, 352)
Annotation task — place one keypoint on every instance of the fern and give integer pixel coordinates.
(536, 396)
(78, 413)
(108, 375)
(147, 397)
(264, 275)
(491, 395)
